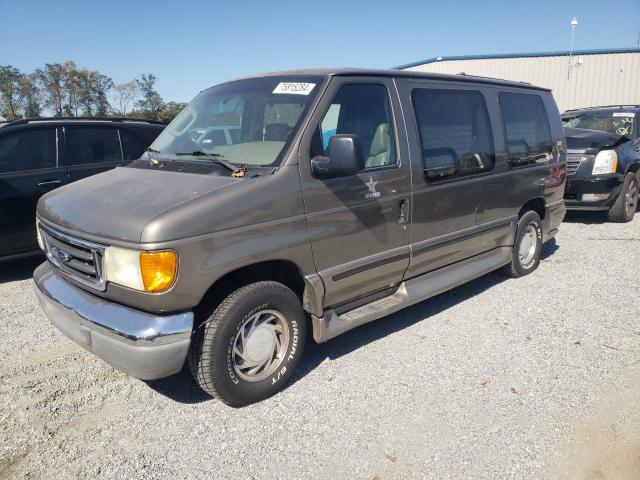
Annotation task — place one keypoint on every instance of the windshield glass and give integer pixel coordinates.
(247, 122)
(618, 123)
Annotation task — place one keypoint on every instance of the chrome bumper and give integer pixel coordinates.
(142, 345)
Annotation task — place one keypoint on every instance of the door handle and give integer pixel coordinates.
(403, 216)
(49, 183)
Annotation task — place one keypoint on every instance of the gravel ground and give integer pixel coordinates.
(498, 379)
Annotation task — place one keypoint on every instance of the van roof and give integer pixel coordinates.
(340, 72)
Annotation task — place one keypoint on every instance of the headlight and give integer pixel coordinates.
(39, 235)
(606, 162)
(144, 271)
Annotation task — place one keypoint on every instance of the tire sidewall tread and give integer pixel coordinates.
(210, 355)
(515, 269)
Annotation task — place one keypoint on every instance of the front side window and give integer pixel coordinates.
(28, 150)
(247, 122)
(85, 145)
(455, 133)
(526, 127)
(362, 110)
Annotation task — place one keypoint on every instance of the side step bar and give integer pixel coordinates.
(410, 292)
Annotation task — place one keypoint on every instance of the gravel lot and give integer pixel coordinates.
(498, 379)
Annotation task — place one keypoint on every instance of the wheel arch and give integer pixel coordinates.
(282, 271)
(536, 204)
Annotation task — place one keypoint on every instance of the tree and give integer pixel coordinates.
(150, 102)
(30, 96)
(124, 94)
(10, 90)
(94, 88)
(52, 79)
(170, 110)
(72, 84)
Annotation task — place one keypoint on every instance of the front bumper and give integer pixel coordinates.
(577, 186)
(143, 345)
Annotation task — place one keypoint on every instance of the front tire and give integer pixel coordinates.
(527, 247)
(247, 349)
(625, 206)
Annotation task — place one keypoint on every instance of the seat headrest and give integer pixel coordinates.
(277, 132)
(380, 142)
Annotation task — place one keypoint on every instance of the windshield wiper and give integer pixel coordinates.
(216, 157)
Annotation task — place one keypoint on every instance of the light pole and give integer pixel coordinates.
(574, 23)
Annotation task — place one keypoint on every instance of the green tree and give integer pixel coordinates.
(150, 103)
(52, 79)
(10, 89)
(170, 110)
(31, 96)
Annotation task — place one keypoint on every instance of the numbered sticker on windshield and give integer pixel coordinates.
(624, 114)
(294, 88)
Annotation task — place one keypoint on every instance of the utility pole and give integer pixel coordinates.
(574, 23)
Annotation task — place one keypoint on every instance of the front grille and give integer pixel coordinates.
(575, 159)
(79, 259)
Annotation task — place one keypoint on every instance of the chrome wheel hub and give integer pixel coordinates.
(528, 245)
(260, 345)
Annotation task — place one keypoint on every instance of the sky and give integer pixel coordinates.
(192, 45)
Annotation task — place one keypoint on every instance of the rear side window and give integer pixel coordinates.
(132, 147)
(92, 145)
(455, 133)
(526, 126)
(28, 150)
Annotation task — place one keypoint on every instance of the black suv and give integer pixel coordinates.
(603, 160)
(41, 154)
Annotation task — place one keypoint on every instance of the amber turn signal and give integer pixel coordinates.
(158, 270)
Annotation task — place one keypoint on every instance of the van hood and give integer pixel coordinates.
(119, 203)
(582, 139)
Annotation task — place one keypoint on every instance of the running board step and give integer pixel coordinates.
(410, 292)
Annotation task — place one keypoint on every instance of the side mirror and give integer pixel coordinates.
(345, 158)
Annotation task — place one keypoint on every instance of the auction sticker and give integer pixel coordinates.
(624, 114)
(294, 88)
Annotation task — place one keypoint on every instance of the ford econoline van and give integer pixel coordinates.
(342, 196)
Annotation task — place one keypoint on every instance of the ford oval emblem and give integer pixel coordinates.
(63, 256)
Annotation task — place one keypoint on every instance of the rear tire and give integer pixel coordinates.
(625, 206)
(527, 247)
(247, 349)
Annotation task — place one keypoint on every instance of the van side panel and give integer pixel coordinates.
(463, 217)
(454, 220)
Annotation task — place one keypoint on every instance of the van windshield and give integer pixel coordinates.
(619, 123)
(247, 122)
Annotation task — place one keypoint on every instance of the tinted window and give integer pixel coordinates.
(92, 145)
(526, 127)
(28, 150)
(361, 110)
(132, 147)
(455, 132)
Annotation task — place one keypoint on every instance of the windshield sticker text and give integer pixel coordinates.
(624, 114)
(294, 88)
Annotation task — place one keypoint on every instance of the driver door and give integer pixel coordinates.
(359, 225)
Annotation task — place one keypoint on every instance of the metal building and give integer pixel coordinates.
(585, 78)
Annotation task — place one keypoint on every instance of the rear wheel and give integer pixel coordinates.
(250, 345)
(625, 206)
(527, 247)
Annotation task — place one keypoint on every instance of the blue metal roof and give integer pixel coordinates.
(559, 53)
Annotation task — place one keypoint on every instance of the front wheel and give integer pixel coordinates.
(625, 206)
(250, 345)
(527, 247)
